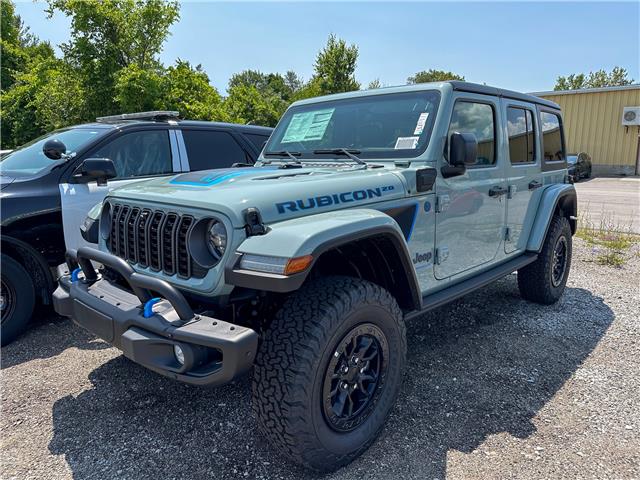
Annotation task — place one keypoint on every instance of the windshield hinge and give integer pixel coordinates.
(253, 222)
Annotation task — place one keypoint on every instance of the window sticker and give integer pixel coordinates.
(307, 126)
(406, 143)
(422, 120)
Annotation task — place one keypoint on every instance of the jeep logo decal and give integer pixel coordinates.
(422, 257)
(333, 199)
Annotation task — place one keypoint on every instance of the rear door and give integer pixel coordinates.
(470, 210)
(136, 155)
(524, 176)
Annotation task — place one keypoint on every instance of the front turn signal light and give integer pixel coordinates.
(298, 264)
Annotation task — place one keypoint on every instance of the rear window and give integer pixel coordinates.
(552, 144)
(257, 140)
(209, 149)
(521, 136)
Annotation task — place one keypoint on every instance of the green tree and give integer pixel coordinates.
(266, 83)
(335, 68)
(17, 45)
(246, 104)
(431, 75)
(108, 36)
(373, 84)
(293, 82)
(600, 78)
(45, 97)
(187, 90)
(33, 95)
(138, 90)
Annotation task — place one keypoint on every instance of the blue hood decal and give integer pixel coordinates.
(212, 177)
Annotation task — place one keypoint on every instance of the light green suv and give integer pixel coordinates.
(365, 209)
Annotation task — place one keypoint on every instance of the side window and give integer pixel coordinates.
(479, 119)
(257, 140)
(521, 136)
(209, 149)
(139, 154)
(551, 137)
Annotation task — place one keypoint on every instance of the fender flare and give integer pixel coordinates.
(360, 224)
(20, 248)
(561, 196)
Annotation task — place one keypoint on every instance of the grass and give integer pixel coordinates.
(610, 240)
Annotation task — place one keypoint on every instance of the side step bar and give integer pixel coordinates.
(442, 297)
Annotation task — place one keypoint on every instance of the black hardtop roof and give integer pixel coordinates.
(500, 92)
(257, 129)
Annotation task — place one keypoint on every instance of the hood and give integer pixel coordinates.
(278, 193)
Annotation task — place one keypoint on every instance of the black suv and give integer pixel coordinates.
(49, 185)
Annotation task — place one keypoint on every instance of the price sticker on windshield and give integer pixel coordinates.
(307, 126)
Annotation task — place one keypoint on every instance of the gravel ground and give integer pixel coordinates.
(495, 388)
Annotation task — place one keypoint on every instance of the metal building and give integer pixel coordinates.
(605, 123)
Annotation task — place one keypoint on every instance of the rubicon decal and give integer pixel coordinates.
(332, 199)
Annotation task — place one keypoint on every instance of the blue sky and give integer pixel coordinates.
(521, 46)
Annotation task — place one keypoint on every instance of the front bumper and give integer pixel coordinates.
(214, 351)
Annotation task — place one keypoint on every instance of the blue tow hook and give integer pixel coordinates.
(74, 274)
(148, 307)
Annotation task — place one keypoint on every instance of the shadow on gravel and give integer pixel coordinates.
(47, 336)
(480, 366)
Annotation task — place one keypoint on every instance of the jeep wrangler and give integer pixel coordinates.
(365, 209)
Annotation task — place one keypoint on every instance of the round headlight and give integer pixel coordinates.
(216, 239)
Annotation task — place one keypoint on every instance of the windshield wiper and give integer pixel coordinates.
(349, 152)
(284, 153)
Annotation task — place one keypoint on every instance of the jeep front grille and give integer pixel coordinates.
(153, 238)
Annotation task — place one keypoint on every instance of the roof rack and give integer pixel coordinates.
(156, 115)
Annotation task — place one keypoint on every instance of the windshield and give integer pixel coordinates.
(572, 159)
(377, 126)
(29, 159)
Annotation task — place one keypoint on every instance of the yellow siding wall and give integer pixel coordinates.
(593, 124)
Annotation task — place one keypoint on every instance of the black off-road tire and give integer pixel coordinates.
(295, 358)
(536, 281)
(18, 291)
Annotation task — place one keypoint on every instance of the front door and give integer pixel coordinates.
(136, 155)
(471, 207)
(524, 177)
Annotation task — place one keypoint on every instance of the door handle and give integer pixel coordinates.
(497, 191)
(534, 184)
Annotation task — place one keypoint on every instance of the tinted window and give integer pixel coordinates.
(551, 136)
(476, 118)
(378, 126)
(521, 141)
(210, 149)
(139, 154)
(257, 140)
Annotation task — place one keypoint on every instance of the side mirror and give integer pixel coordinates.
(463, 151)
(54, 149)
(98, 169)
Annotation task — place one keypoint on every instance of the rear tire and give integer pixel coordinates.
(328, 371)
(18, 299)
(544, 280)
